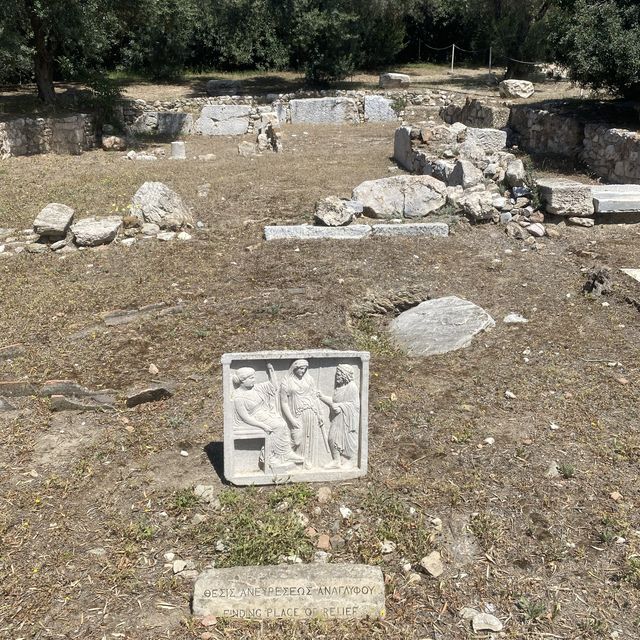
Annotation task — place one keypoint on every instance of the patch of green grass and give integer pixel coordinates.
(487, 528)
(631, 571)
(567, 470)
(371, 338)
(613, 528)
(140, 531)
(296, 495)
(252, 533)
(394, 520)
(532, 610)
(184, 500)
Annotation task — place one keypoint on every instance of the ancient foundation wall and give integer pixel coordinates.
(26, 136)
(612, 153)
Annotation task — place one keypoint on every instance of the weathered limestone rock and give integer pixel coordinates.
(222, 88)
(566, 198)
(515, 174)
(478, 206)
(616, 198)
(53, 221)
(378, 109)
(223, 120)
(323, 111)
(430, 166)
(516, 89)
(401, 196)
(314, 232)
(114, 143)
(440, 325)
(394, 80)
(414, 230)
(489, 140)
(581, 222)
(247, 149)
(291, 591)
(92, 232)
(155, 202)
(402, 152)
(465, 174)
(333, 212)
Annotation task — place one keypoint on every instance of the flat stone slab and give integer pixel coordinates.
(155, 393)
(439, 326)
(616, 198)
(633, 273)
(487, 139)
(416, 230)
(323, 110)
(54, 220)
(311, 232)
(295, 416)
(223, 120)
(95, 403)
(379, 109)
(566, 197)
(341, 591)
(401, 196)
(91, 232)
(17, 389)
(5, 405)
(12, 351)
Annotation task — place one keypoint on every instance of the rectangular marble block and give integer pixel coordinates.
(417, 230)
(291, 591)
(287, 421)
(312, 232)
(616, 198)
(566, 197)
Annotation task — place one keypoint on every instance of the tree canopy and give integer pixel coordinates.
(43, 40)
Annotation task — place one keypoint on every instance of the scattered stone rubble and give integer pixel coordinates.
(269, 139)
(154, 208)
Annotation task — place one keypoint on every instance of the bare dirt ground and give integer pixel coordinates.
(90, 503)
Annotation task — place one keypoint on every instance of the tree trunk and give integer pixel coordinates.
(43, 59)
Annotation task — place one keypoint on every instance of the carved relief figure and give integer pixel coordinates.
(299, 403)
(255, 405)
(344, 417)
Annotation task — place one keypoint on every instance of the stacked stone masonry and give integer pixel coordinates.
(29, 136)
(611, 153)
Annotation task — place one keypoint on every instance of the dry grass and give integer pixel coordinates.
(73, 484)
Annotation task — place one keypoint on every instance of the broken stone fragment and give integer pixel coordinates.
(53, 221)
(150, 394)
(155, 202)
(486, 622)
(92, 232)
(432, 564)
(96, 403)
(333, 212)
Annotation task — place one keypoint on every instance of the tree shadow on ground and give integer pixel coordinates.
(622, 113)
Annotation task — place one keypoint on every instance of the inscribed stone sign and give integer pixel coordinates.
(295, 416)
(290, 591)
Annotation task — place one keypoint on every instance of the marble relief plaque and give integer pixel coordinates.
(294, 416)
